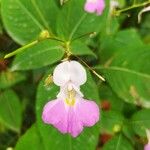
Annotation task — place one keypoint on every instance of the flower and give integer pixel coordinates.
(69, 113)
(147, 146)
(92, 6)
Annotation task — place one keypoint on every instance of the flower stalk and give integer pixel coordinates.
(92, 70)
(42, 36)
(118, 12)
(21, 49)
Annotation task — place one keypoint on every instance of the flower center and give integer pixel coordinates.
(70, 100)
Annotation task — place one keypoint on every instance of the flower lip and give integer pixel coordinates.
(72, 120)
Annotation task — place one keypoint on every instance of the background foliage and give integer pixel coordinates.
(120, 51)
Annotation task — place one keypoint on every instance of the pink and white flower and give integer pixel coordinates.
(94, 6)
(70, 112)
(147, 146)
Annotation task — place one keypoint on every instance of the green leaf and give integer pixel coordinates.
(25, 19)
(1, 27)
(89, 86)
(129, 132)
(33, 135)
(10, 110)
(145, 28)
(51, 137)
(111, 120)
(140, 121)
(111, 45)
(77, 21)
(118, 142)
(130, 79)
(79, 48)
(8, 79)
(107, 94)
(44, 53)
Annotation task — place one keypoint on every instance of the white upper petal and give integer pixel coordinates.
(77, 73)
(148, 134)
(69, 71)
(61, 74)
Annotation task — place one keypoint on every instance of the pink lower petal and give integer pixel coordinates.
(73, 118)
(100, 7)
(65, 120)
(90, 7)
(147, 147)
(55, 113)
(88, 112)
(75, 126)
(97, 6)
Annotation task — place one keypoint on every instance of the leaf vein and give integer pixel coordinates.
(30, 15)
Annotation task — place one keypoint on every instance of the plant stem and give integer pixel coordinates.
(84, 35)
(20, 49)
(132, 7)
(30, 45)
(56, 39)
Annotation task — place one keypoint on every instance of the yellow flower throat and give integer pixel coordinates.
(70, 100)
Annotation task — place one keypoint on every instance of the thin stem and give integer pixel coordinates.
(55, 38)
(30, 45)
(92, 70)
(132, 7)
(20, 49)
(84, 35)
